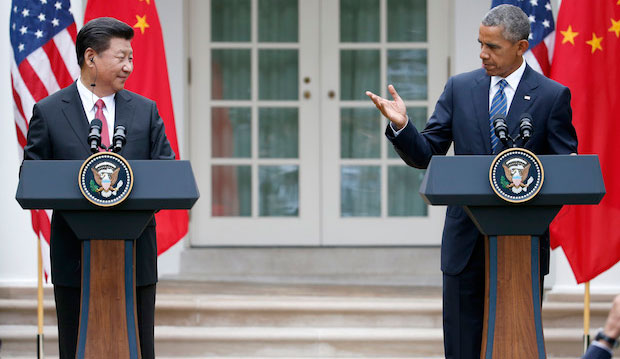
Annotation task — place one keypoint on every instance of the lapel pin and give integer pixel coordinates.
(527, 97)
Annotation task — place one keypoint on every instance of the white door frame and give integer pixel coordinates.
(381, 230)
(319, 221)
(254, 231)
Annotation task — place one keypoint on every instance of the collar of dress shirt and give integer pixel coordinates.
(89, 99)
(513, 79)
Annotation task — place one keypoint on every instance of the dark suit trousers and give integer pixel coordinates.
(463, 308)
(68, 313)
(463, 305)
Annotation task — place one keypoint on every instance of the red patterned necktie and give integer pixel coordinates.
(105, 134)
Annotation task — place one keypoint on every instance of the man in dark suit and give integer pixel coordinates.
(462, 116)
(58, 131)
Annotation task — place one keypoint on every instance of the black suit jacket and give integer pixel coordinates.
(595, 352)
(58, 130)
(462, 116)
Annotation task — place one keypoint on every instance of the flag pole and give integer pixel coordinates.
(586, 317)
(40, 353)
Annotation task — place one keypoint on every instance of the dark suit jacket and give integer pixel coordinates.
(462, 116)
(58, 130)
(595, 352)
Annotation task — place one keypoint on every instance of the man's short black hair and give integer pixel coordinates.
(97, 33)
(515, 22)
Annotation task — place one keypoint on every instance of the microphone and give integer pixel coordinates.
(94, 135)
(119, 139)
(525, 127)
(501, 129)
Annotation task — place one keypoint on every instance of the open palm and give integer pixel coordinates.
(394, 110)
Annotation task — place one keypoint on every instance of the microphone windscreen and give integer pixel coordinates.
(96, 122)
(498, 115)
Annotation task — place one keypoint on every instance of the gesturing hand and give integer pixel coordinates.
(612, 326)
(395, 110)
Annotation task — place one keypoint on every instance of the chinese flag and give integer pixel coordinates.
(149, 79)
(587, 49)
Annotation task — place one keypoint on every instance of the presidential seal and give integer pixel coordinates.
(105, 179)
(516, 175)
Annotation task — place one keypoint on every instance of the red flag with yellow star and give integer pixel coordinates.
(587, 49)
(149, 79)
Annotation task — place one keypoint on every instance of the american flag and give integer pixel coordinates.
(542, 33)
(43, 61)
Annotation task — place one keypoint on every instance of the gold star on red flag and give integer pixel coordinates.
(141, 24)
(595, 43)
(148, 2)
(569, 35)
(615, 27)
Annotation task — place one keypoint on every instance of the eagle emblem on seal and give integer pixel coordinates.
(516, 175)
(517, 171)
(106, 178)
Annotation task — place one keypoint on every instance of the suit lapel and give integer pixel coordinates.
(74, 114)
(124, 112)
(480, 99)
(522, 101)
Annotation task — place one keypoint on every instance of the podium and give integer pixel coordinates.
(108, 322)
(512, 311)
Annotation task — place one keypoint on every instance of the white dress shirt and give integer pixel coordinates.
(513, 82)
(88, 101)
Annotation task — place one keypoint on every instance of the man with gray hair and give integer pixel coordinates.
(505, 85)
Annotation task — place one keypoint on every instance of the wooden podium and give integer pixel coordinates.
(108, 322)
(512, 311)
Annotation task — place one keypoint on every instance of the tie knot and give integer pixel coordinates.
(99, 104)
(502, 84)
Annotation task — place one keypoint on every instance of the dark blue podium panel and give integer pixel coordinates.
(105, 224)
(157, 185)
(517, 221)
(464, 180)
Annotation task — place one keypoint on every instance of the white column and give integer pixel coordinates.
(18, 254)
(173, 19)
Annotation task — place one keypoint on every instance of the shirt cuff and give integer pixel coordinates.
(396, 133)
(602, 346)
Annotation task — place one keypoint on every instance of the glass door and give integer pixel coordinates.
(286, 148)
(254, 125)
(370, 196)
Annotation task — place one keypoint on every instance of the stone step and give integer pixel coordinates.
(24, 311)
(199, 357)
(254, 357)
(377, 266)
(260, 321)
(570, 315)
(300, 311)
(268, 342)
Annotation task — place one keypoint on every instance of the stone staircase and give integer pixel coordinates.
(231, 320)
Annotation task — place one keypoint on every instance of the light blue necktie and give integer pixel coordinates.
(498, 105)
